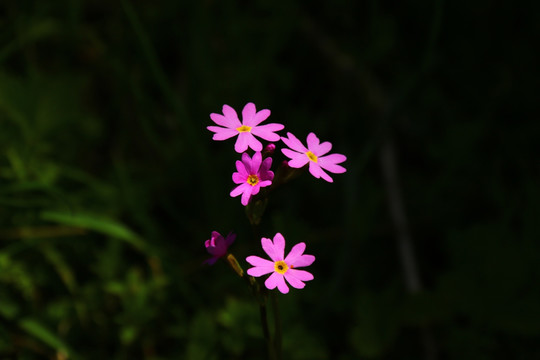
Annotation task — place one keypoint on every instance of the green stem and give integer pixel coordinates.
(266, 332)
(261, 295)
(277, 327)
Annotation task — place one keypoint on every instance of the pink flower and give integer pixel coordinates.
(300, 156)
(217, 246)
(245, 129)
(252, 174)
(281, 268)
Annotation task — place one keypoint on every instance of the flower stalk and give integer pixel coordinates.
(277, 327)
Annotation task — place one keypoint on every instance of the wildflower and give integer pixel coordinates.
(281, 268)
(217, 246)
(252, 174)
(251, 118)
(313, 154)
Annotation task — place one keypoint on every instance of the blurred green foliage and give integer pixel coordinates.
(110, 182)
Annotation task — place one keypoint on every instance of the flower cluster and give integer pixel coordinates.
(253, 173)
(249, 170)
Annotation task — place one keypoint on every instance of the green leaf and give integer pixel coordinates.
(49, 338)
(98, 224)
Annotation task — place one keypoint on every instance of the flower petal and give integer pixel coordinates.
(296, 251)
(290, 153)
(256, 161)
(271, 282)
(246, 160)
(242, 142)
(312, 142)
(266, 164)
(316, 171)
(241, 169)
(323, 148)
(246, 195)
(270, 249)
(295, 283)
(267, 132)
(229, 239)
(240, 189)
(298, 160)
(293, 143)
(217, 251)
(260, 116)
(255, 189)
(253, 143)
(276, 279)
(279, 245)
(265, 183)
(262, 268)
(330, 163)
(231, 115)
(333, 168)
(302, 261)
(334, 158)
(265, 173)
(238, 178)
(266, 176)
(258, 261)
(260, 271)
(222, 133)
(247, 114)
(220, 245)
(326, 177)
(300, 274)
(228, 122)
(282, 285)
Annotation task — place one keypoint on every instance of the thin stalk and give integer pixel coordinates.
(266, 332)
(277, 327)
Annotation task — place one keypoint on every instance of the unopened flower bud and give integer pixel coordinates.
(269, 150)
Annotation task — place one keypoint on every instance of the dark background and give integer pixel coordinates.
(110, 182)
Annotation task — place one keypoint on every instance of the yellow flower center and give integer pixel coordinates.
(244, 128)
(252, 180)
(311, 156)
(281, 267)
